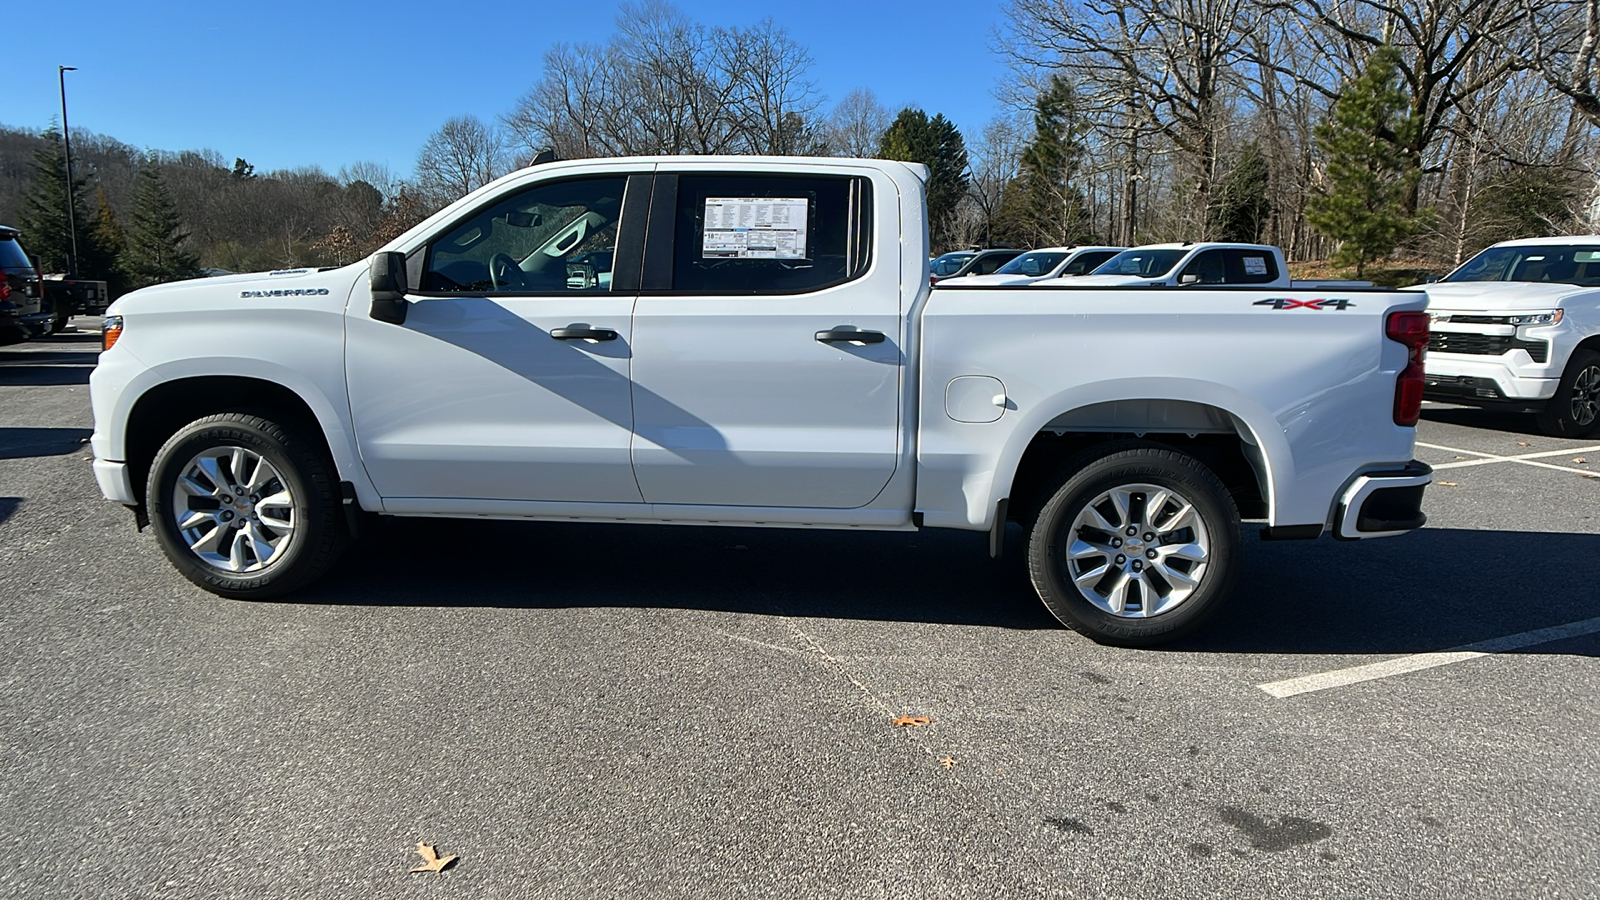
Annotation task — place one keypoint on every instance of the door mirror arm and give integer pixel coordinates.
(389, 288)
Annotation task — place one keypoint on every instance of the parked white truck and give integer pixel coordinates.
(752, 341)
(1190, 264)
(1517, 327)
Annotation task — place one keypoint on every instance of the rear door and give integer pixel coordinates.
(767, 363)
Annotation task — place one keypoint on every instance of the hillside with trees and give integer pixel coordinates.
(1356, 131)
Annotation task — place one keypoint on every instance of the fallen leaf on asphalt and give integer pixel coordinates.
(1451, 483)
(431, 861)
(918, 721)
(1580, 460)
(1522, 443)
(949, 762)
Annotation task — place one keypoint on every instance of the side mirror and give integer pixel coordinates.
(1188, 279)
(389, 288)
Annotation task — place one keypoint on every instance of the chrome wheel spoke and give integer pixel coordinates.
(263, 549)
(1090, 577)
(1192, 552)
(1082, 549)
(1120, 498)
(1117, 598)
(1153, 504)
(1098, 522)
(237, 561)
(210, 541)
(195, 519)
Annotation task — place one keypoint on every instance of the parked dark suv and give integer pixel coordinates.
(19, 291)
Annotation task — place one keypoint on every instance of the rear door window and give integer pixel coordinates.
(769, 234)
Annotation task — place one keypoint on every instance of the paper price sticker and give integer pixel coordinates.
(755, 228)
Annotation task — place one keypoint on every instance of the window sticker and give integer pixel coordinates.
(1255, 265)
(755, 228)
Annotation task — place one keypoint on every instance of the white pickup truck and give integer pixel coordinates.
(753, 341)
(1518, 327)
(1190, 264)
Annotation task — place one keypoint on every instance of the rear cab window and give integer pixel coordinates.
(1232, 265)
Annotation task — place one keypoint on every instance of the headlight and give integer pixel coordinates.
(1551, 317)
(110, 332)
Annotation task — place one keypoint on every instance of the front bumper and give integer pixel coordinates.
(1383, 504)
(115, 483)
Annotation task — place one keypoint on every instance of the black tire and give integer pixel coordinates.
(1077, 485)
(1574, 411)
(319, 533)
(58, 323)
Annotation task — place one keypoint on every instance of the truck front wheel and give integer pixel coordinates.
(1574, 411)
(1135, 547)
(244, 507)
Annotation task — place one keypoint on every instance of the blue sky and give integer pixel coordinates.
(294, 83)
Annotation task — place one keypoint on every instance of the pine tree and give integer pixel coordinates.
(109, 238)
(44, 215)
(1042, 206)
(155, 253)
(1369, 176)
(1240, 205)
(937, 144)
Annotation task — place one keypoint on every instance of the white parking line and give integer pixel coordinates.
(1321, 681)
(1526, 459)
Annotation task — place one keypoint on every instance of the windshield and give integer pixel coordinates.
(1142, 263)
(1032, 264)
(1543, 264)
(11, 255)
(950, 263)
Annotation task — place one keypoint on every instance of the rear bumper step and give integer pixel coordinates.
(1383, 504)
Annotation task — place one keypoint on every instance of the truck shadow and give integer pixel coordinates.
(30, 368)
(24, 443)
(1436, 589)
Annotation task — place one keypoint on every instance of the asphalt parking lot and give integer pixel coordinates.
(604, 711)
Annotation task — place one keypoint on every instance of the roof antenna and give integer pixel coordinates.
(543, 156)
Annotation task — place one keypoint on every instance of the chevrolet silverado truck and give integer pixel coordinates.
(753, 341)
(1517, 327)
(1190, 264)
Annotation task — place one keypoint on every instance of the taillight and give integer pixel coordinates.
(1410, 329)
(5, 289)
(110, 332)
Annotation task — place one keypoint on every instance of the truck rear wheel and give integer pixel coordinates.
(1136, 547)
(1574, 411)
(244, 507)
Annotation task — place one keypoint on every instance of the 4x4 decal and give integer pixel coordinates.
(1289, 303)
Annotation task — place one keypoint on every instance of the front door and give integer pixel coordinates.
(509, 379)
(768, 357)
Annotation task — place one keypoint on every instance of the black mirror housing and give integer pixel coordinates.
(389, 288)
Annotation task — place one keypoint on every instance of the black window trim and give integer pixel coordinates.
(660, 243)
(623, 266)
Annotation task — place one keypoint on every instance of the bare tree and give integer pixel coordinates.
(462, 156)
(665, 85)
(857, 123)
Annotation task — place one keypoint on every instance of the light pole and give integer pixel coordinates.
(66, 137)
